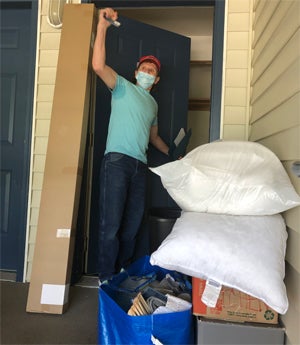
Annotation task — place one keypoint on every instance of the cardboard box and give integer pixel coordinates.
(52, 262)
(232, 305)
(213, 332)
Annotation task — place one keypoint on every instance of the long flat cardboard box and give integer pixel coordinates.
(52, 262)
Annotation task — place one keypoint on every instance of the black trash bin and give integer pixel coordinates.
(162, 220)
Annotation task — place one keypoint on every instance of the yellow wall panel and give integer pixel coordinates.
(45, 27)
(44, 7)
(40, 145)
(39, 163)
(237, 59)
(34, 217)
(234, 132)
(37, 181)
(32, 236)
(42, 128)
(29, 268)
(238, 40)
(36, 198)
(236, 77)
(238, 21)
(30, 252)
(44, 110)
(50, 40)
(236, 90)
(47, 75)
(235, 115)
(238, 6)
(45, 93)
(48, 58)
(236, 96)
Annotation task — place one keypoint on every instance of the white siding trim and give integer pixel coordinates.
(32, 144)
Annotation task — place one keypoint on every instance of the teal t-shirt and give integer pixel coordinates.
(133, 112)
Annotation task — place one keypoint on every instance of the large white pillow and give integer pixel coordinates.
(243, 252)
(229, 177)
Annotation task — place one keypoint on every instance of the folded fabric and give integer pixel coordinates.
(243, 252)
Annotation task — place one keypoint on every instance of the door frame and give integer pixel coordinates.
(32, 65)
(21, 245)
(218, 43)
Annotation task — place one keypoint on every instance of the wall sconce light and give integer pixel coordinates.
(55, 12)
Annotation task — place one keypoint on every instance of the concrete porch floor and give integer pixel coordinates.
(77, 326)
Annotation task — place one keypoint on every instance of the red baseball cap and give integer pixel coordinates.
(150, 58)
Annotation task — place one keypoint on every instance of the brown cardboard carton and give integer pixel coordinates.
(52, 262)
(232, 305)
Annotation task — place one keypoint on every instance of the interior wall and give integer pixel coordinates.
(275, 119)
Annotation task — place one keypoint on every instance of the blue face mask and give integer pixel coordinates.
(145, 80)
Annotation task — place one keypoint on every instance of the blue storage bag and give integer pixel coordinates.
(115, 326)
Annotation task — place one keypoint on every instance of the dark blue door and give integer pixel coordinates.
(18, 35)
(124, 47)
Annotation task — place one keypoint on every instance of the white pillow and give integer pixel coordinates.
(229, 177)
(243, 252)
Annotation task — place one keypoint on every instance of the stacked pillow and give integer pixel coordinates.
(229, 177)
(231, 231)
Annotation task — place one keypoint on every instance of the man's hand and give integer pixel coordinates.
(107, 13)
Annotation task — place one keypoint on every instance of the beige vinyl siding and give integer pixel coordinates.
(275, 118)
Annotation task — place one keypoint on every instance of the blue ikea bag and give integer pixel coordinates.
(115, 326)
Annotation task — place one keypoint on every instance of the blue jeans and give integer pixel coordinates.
(122, 203)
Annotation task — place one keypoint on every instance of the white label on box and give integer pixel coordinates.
(63, 233)
(211, 293)
(55, 294)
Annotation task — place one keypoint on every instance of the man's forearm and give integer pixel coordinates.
(99, 52)
(160, 145)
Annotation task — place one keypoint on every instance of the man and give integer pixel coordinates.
(133, 123)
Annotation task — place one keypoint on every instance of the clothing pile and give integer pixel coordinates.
(165, 296)
(146, 294)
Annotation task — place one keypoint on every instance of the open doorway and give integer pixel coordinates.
(198, 23)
